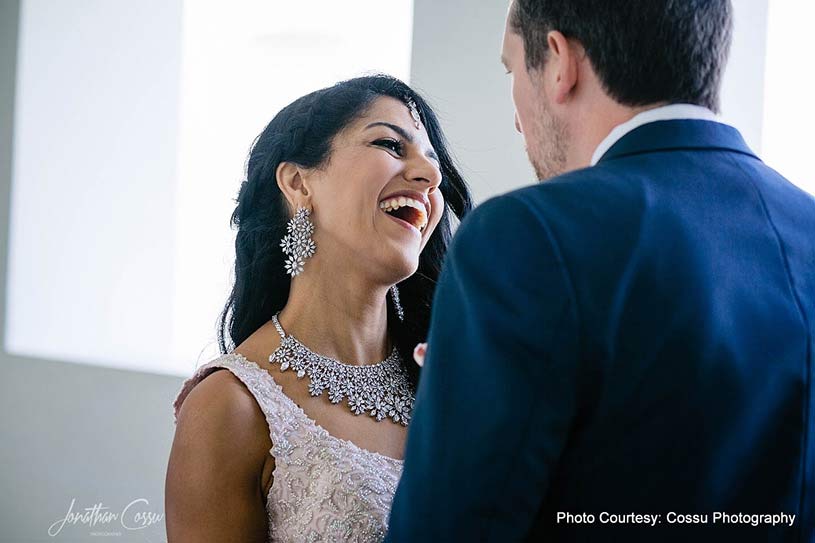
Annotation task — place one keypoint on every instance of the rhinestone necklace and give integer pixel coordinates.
(381, 390)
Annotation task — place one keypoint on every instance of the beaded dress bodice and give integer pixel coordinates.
(324, 488)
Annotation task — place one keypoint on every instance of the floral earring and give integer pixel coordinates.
(297, 244)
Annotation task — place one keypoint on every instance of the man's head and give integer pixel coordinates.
(580, 67)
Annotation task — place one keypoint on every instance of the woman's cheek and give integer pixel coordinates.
(437, 208)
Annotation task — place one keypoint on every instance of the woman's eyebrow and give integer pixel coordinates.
(404, 134)
(396, 128)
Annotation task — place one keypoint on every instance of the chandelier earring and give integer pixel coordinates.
(297, 243)
(397, 305)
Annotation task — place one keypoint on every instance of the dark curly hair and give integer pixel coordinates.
(302, 133)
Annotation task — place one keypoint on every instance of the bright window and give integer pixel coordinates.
(789, 86)
(133, 123)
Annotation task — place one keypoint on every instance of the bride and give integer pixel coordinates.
(349, 192)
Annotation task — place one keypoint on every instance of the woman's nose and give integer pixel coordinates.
(426, 170)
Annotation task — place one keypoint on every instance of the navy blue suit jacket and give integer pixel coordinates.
(634, 337)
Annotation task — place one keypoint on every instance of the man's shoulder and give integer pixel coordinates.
(545, 201)
(577, 184)
(570, 184)
(499, 213)
(588, 203)
(503, 224)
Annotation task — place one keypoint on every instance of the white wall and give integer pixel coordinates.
(742, 97)
(456, 63)
(71, 431)
(96, 122)
(130, 143)
(789, 87)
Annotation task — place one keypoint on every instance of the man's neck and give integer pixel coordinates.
(664, 112)
(595, 126)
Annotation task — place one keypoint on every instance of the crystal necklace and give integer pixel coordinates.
(381, 390)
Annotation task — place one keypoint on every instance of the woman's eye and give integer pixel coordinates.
(393, 145)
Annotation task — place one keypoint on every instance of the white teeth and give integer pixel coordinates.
(392, 204)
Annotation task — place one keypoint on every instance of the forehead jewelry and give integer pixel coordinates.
(414, 112)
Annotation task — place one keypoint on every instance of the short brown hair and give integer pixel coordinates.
(643, 51)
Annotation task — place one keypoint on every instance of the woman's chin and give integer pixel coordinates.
(401, 267)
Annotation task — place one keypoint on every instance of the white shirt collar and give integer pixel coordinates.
(662, 113)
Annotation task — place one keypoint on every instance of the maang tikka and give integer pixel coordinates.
(297, 244)
(414, 111)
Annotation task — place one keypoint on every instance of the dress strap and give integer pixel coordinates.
(267, 393)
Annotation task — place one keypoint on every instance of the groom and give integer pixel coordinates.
(623, 352)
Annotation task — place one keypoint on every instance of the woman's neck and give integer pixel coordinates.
(342, 317)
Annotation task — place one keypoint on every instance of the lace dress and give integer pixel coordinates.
(324, 488)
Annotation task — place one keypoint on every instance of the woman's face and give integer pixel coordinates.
(377, 200)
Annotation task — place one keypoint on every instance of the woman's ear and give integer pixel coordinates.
(290, 179)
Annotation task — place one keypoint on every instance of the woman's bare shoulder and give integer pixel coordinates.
(221, 412)
(213, 484)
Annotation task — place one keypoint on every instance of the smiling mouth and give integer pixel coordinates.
(406, 209)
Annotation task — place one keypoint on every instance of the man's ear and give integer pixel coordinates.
(290, 179)
(563, 61)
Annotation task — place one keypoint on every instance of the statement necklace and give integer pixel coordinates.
(381, 390)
